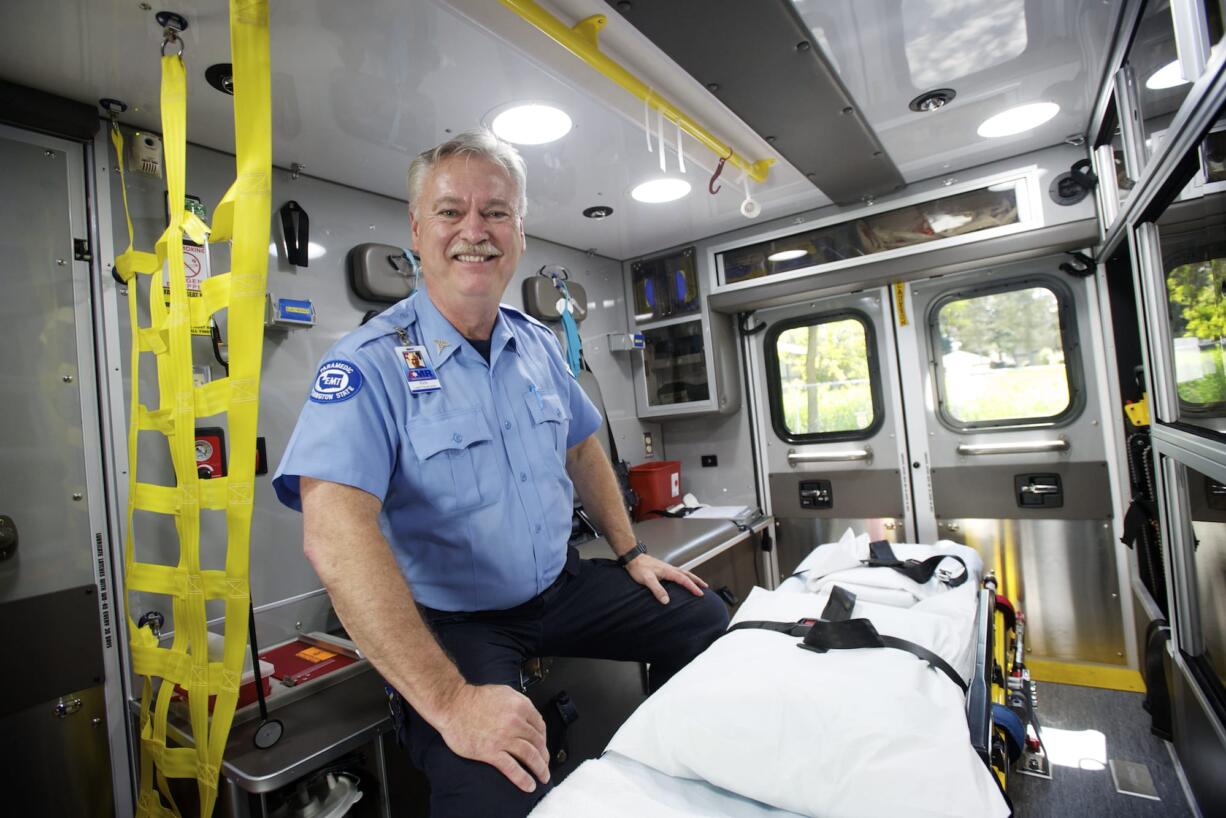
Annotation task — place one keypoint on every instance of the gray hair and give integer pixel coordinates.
(478, 142)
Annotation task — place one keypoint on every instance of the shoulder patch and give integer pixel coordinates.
(336, 381)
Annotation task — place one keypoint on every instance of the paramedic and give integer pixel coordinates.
(434, 464)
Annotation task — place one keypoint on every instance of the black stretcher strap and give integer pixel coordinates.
(837, 632)
(881, 555)
(860, 633)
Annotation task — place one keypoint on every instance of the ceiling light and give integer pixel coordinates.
(787, 255)
(1168, 76)
(932, 100)
(658, 191)
(1017, 120)
(598, 212)
(531, 124)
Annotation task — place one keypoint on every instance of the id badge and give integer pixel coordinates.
(417, 370)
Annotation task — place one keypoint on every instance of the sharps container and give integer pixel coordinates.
(658, 486)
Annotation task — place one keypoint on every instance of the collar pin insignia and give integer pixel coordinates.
(441, 345)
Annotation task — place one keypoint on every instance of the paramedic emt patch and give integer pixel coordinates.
(337, 381)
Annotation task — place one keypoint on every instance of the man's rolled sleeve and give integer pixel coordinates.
(351, 441)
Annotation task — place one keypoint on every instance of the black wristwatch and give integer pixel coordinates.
(639, 548)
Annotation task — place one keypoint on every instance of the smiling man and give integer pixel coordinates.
(434, 464)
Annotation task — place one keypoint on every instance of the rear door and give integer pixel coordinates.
(1007, 434)
(828, 421)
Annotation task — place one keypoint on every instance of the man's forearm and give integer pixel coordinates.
(353, 559)
(596, 483)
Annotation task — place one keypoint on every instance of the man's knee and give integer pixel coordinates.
(704, 618)
(462, 788)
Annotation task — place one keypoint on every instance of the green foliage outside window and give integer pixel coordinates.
(1198, 329)
(824, 377)
(1002, 356)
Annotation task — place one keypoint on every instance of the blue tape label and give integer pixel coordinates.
(337, 381)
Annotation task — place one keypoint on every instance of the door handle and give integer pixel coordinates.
(1040, 488)
(841, 456)
(1060, 444)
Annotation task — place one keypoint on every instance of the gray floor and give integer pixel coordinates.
(1089, 793)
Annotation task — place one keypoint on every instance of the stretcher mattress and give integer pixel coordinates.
(757, 727)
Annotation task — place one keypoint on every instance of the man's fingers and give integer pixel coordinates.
(652, 584)
(508, 766)
(531, 756)
(699, 580)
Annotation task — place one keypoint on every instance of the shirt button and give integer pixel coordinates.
(538, 528)
(558, 412)
(457, 437)
(507, 425)
(523, 477)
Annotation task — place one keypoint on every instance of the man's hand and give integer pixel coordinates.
(650, 572)
(500, 726)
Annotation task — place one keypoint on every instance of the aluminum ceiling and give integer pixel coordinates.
(358, 87)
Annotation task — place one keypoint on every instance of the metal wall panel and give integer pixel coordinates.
(43, 482)
(989, 491)
(1061, 573)
(56, 765)
(866, 494)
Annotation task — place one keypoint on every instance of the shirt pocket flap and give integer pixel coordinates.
(546, 407)
(451, 430)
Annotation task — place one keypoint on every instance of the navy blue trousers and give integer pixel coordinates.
(593, 610)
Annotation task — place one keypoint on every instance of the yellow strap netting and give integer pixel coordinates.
(241, 218)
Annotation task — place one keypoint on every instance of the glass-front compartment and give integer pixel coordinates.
(1192, 236)
(1207, 500)
(957, 215)
(675, 364)
(665, 287)
(1160, 81)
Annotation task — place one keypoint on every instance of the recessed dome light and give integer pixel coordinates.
(787, 255)
(1017, 120)
(658, 191)
(531, 124)
(1168, 76)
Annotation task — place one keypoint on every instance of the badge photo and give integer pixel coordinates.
(337, 381)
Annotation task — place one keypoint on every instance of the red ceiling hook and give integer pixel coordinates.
(711, 188)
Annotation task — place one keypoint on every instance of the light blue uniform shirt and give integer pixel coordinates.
(476, 499)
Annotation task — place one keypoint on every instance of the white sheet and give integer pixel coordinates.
(620, 787)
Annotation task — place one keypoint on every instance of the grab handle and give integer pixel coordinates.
(1060, 444)
(841, 456)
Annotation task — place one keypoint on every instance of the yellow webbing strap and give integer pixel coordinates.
(243, 219)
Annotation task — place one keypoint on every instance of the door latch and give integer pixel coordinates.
(1039, 491)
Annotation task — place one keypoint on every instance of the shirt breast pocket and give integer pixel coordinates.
(550, 419)
(451, 449)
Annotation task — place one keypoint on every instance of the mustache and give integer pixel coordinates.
(463, 248)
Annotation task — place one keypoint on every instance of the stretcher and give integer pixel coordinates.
(757, 726)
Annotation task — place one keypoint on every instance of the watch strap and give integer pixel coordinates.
(639, 548)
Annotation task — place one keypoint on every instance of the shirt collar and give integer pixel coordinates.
(442, 340)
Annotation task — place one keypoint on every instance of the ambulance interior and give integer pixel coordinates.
(855, 285)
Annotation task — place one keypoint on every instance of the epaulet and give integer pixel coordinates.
(518, 314)
(380, 326)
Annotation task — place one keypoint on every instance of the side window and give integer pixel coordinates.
(1002, 357)
(823, 378)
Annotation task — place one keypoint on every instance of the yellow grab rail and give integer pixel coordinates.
(581, 40)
